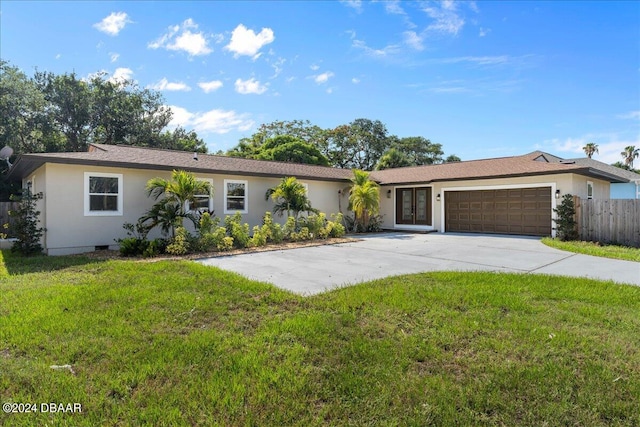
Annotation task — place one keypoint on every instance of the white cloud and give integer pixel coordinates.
(484, 31)
(246, 42)
(354, 4)
(114, 56)
(314, 67)
(445, 16)
(165, 84)
(355, 80)
(631, 115)
(212, 121)
(211, 86)
(393, 7)
(375, 53)
(411, 38)
(121, 74)
(323, 78)
(478, 60)
(113, 23)
(251, 86)
(278, 66)
(58, 56)
(182, 38)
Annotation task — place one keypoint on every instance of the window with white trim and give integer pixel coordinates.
(235, 196)
(204, 202)
(102, 194)
(589, 190)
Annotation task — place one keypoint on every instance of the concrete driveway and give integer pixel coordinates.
(312, 270)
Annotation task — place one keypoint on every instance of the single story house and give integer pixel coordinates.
(88, 196)
(619, 190)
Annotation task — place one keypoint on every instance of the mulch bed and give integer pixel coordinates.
(110, 254)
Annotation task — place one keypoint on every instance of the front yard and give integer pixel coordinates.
(177, 343)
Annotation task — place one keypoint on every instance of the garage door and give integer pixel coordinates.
(525, 211)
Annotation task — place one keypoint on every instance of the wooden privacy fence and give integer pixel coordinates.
(609, 221)
(5, 207)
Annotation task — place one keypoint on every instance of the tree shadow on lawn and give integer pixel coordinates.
(16, 264)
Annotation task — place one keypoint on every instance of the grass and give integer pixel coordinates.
(177, 343)
(595, 249)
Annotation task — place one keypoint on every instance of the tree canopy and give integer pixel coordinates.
(62, 112)
(362, 144)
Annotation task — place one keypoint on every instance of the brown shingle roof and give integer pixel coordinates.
(536, 163)
(146, 158)
(488, 168)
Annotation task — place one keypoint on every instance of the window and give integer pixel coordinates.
(204, 202)
(235, 196)
(102, 194)
(589, 190)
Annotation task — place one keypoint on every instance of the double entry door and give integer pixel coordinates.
(413, 206)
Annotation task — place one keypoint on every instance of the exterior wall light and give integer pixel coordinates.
(438, 197)
(557, 194)
(388, 194)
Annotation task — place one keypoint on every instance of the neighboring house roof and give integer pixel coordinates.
(536, 163)
(631, 176)
(147, 158)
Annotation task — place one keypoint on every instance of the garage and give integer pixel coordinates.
(521, 211)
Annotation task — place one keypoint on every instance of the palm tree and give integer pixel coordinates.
(590, 149)
(630, 153)
(290, 196)
(364, 197)
(179, 192)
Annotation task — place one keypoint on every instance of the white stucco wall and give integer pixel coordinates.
(68, 230)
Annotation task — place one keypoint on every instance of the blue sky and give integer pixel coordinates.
(484, 79)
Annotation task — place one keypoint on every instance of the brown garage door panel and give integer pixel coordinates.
(512, 211)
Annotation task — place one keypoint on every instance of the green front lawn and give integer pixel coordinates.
(595, 249)
(177, 343)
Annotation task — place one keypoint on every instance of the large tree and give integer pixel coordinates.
(358, 145)
(300, 129)
(420, 150)
(286, 148)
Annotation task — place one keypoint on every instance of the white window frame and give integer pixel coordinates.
(246, 195)
(87, 198)
(210, 196)
(590, 187)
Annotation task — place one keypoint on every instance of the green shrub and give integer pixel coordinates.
(289, 228)
(207, 223)
(132, 246)
(275, 234)
(259, 238)
(337, 228)
(237, 230)
(301, 235)
(154, 248)
(565, 221)
(180, 244)
(315, 224)
(226, 244)
(25, 224)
